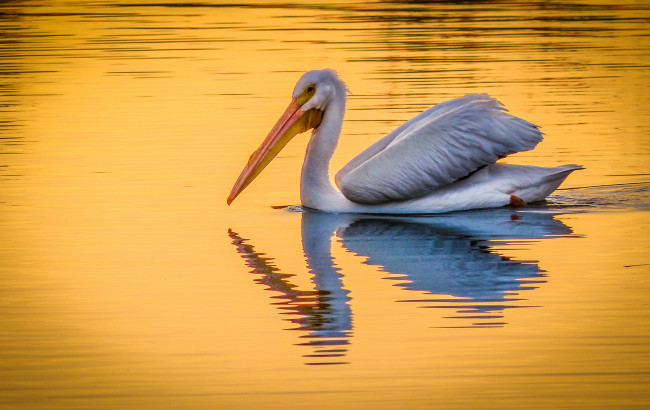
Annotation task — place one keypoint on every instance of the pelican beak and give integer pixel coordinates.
(292, 122)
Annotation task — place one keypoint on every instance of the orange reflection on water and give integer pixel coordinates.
(125, 125)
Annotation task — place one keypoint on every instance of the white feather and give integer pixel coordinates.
(490, 187)
(439, 146)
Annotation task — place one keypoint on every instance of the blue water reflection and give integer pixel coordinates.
(450, 257)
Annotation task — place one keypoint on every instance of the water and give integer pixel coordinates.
(127, 281)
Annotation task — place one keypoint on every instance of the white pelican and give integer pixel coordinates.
(440, 161)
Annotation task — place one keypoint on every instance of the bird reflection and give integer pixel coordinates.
(324, 313)
(451, 257)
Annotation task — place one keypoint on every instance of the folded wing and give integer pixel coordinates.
(441, 145)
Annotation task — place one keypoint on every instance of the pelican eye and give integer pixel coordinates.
(307, 93)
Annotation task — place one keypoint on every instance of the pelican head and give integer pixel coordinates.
(310, 98)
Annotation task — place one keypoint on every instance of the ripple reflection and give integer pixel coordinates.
(452, 257)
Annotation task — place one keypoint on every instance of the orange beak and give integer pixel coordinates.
(292, 122)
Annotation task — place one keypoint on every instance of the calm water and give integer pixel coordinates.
(128, 283)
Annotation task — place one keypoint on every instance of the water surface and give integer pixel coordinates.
(127, 281)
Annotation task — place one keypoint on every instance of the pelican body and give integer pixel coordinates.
(442, 160)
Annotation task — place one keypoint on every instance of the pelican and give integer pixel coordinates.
(442, 160)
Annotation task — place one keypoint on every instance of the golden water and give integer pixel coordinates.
(128, 283)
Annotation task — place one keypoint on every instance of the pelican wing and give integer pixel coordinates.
(441, 145)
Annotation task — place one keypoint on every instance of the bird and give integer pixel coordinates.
(442, 160)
